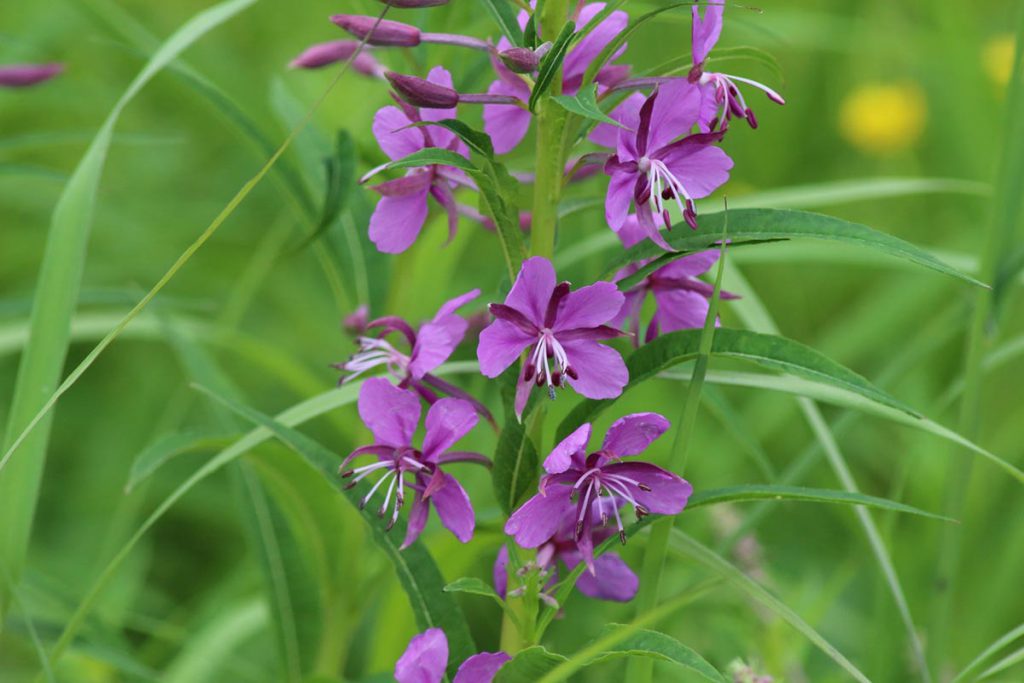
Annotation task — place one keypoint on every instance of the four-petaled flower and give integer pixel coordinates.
(426, 658)
(721, 99)
(507, 124)
(612, 578)
(392, 415)
(600, 480)
(402, 209)
(561, 329)
(428, 348)
(651, 166)
(682, 300)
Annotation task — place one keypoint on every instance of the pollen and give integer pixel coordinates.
(882, 119)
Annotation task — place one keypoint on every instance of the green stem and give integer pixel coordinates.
(638, 669)
(550, 163)
(1006, 211)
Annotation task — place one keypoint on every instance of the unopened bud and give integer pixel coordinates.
(379, 32)
(21, 75)
(325, 54)
(422, 93)
(521, 60)
(411, 4)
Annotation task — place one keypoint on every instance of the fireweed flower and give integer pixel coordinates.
(23, 75)
(392, 415)
(682, 300)
(652, 167)
(426, 657)
(428, 348)
(507, 125)
(722, 100)
(561, 330)
(324, 54)
(599, 480)
(402, 210)
(612, 578)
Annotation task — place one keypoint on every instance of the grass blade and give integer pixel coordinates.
(987, 654)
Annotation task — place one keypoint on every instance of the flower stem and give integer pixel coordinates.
(641, 669)
(550, 162)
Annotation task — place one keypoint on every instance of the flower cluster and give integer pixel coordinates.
(662, 153)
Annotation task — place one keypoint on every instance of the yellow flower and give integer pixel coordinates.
(997, 56)
(883, 118)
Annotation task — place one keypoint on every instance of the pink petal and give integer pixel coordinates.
(523, 389)
(392, 414)
(538, 519)
(612, 578)
(567, 453)
(701, 168)
(454, 508)
(602, 373)
(481, 668)
(435, 342)
(679, 309)
(532, 289)
(500, 344)
(587, 50)
(396, 143)
(425, 659)
(499, 573)
(707, 30)
(627, 113)
(441, 137)
(397, 221)
(668, 491)
(448, 420)
(618, 199)
(455, 304)
(417, 520)
(675, 112)
(690, 266)
(632, 434)
(589, 306)
(506, 124)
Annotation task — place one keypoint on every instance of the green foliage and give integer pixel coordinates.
(551, 64)
(584, 103)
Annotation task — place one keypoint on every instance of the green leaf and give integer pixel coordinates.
(551, 64)
(514, 473)
(988, 653)
(777, 353)
(473, 585)
(57, 288)
(584, 103)
(416, 570)
(213, 643)
(658, 646)
(620, 39)
(752, 492)
(747, 226)
(433, 155)
(505, 15)
(693, 550)
(339, 180)
(529, 665)
(168, 446)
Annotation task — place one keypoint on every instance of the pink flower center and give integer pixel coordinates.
(547, 352)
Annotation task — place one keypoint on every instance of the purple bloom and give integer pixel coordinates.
(22, 75)
(428, 348)
(651, 166)
(682, 300)
(392, 415)
(426, 657)
(323, 54)
(612, 578)
(507, 125)
(600, 480)
(402, 210)
(721, 99)
(562, 330)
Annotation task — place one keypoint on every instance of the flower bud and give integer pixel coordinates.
(422, 93)
(521, 60)
(410, 4)
(21, 75)
(324, 54)
(379, 32)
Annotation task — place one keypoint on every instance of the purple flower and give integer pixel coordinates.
(392, 415)
(22, 75)
(682, 300)
(323, 54)
(507, 124)
(651, 166)
(402, 210)
(428, 349)
(561, 329)
(612, 578)
(721, 99)
(600, 480)
(426, 657)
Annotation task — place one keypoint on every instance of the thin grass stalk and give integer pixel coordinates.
(995, 260)
(642, 670)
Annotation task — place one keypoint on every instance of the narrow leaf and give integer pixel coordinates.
(168, 446)
(504, 15)
(551, 64)
(584, 103)
(471, 585)
(433, 155)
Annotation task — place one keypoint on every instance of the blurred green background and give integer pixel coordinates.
(877, 92)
